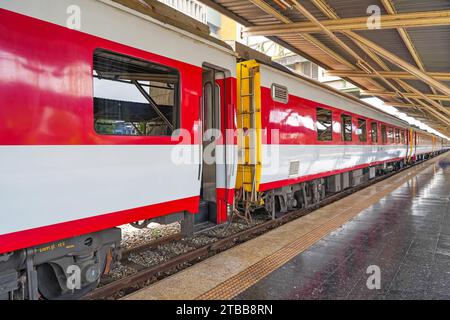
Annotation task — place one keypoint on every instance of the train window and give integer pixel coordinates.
(397, 136)
(346, 131)
(211, 116)
(217, 96)
(402, 136)
(134, 97)
(362, 130)
(390, 135)
(324, 125)
(374, 132)
(383, 134)
(207, 101)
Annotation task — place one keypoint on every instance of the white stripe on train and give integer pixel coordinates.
(316, 159)
(44, 185)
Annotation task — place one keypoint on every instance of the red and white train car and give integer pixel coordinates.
(327, 133)
(315, 139)
(100, 127)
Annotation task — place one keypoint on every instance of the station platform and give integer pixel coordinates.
(400, 225)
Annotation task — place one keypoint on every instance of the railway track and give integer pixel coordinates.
(145, 276)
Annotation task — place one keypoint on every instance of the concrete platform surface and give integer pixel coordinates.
(399, 227)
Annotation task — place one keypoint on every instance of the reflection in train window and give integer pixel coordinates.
(374, 132)
(390, 135)
(134, 97)
(383, 134)
(324, 125)
(362, 130)
(346, 131)
(211, 114)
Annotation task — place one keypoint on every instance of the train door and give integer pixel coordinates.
(212, 121)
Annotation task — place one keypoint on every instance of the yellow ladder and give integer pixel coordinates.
(411, 144)
(249, 125)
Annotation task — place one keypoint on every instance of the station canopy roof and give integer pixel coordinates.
(403, 57)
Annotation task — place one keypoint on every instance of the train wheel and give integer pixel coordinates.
(52, 287)
(54, 284)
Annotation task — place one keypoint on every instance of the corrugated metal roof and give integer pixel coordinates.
(352, 8)
(421, 5)
(390, 40)
(430, 44)
(434, 54)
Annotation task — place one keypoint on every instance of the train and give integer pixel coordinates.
(130, 119)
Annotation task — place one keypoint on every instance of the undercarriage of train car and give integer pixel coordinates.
(64, 269)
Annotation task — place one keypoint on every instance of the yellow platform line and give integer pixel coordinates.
(250, 276)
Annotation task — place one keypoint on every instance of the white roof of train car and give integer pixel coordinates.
(116, 22)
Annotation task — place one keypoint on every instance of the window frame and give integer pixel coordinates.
(391, 137)
(397, 135)
(216, 117)
(329, 128)
(177, 95)
(359, 127)
(372, 140)
(384, 136)
(343, 133)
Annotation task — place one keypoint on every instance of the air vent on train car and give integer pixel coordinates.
(279, 93)
(294, 168)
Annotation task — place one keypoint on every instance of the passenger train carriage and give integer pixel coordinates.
(138, 121)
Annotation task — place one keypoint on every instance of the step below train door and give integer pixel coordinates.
(213, 120)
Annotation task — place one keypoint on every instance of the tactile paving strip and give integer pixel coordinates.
(243, 280)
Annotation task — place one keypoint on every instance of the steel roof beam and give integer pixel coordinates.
(274, 13)
(328, 11)
(390, 21)
(406, 94)
(402, 64)
(443, 76)
(390, 8)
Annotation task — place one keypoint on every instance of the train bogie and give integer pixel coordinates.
(63, 269)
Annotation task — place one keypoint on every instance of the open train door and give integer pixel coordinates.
(216, 116)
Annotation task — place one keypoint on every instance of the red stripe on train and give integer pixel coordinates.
(36, 236)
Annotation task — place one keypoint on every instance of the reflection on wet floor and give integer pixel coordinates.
(406, 234)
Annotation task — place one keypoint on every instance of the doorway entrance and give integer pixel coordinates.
(213, 98)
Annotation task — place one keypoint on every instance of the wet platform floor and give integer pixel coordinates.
(405, 234)
(401, 225)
